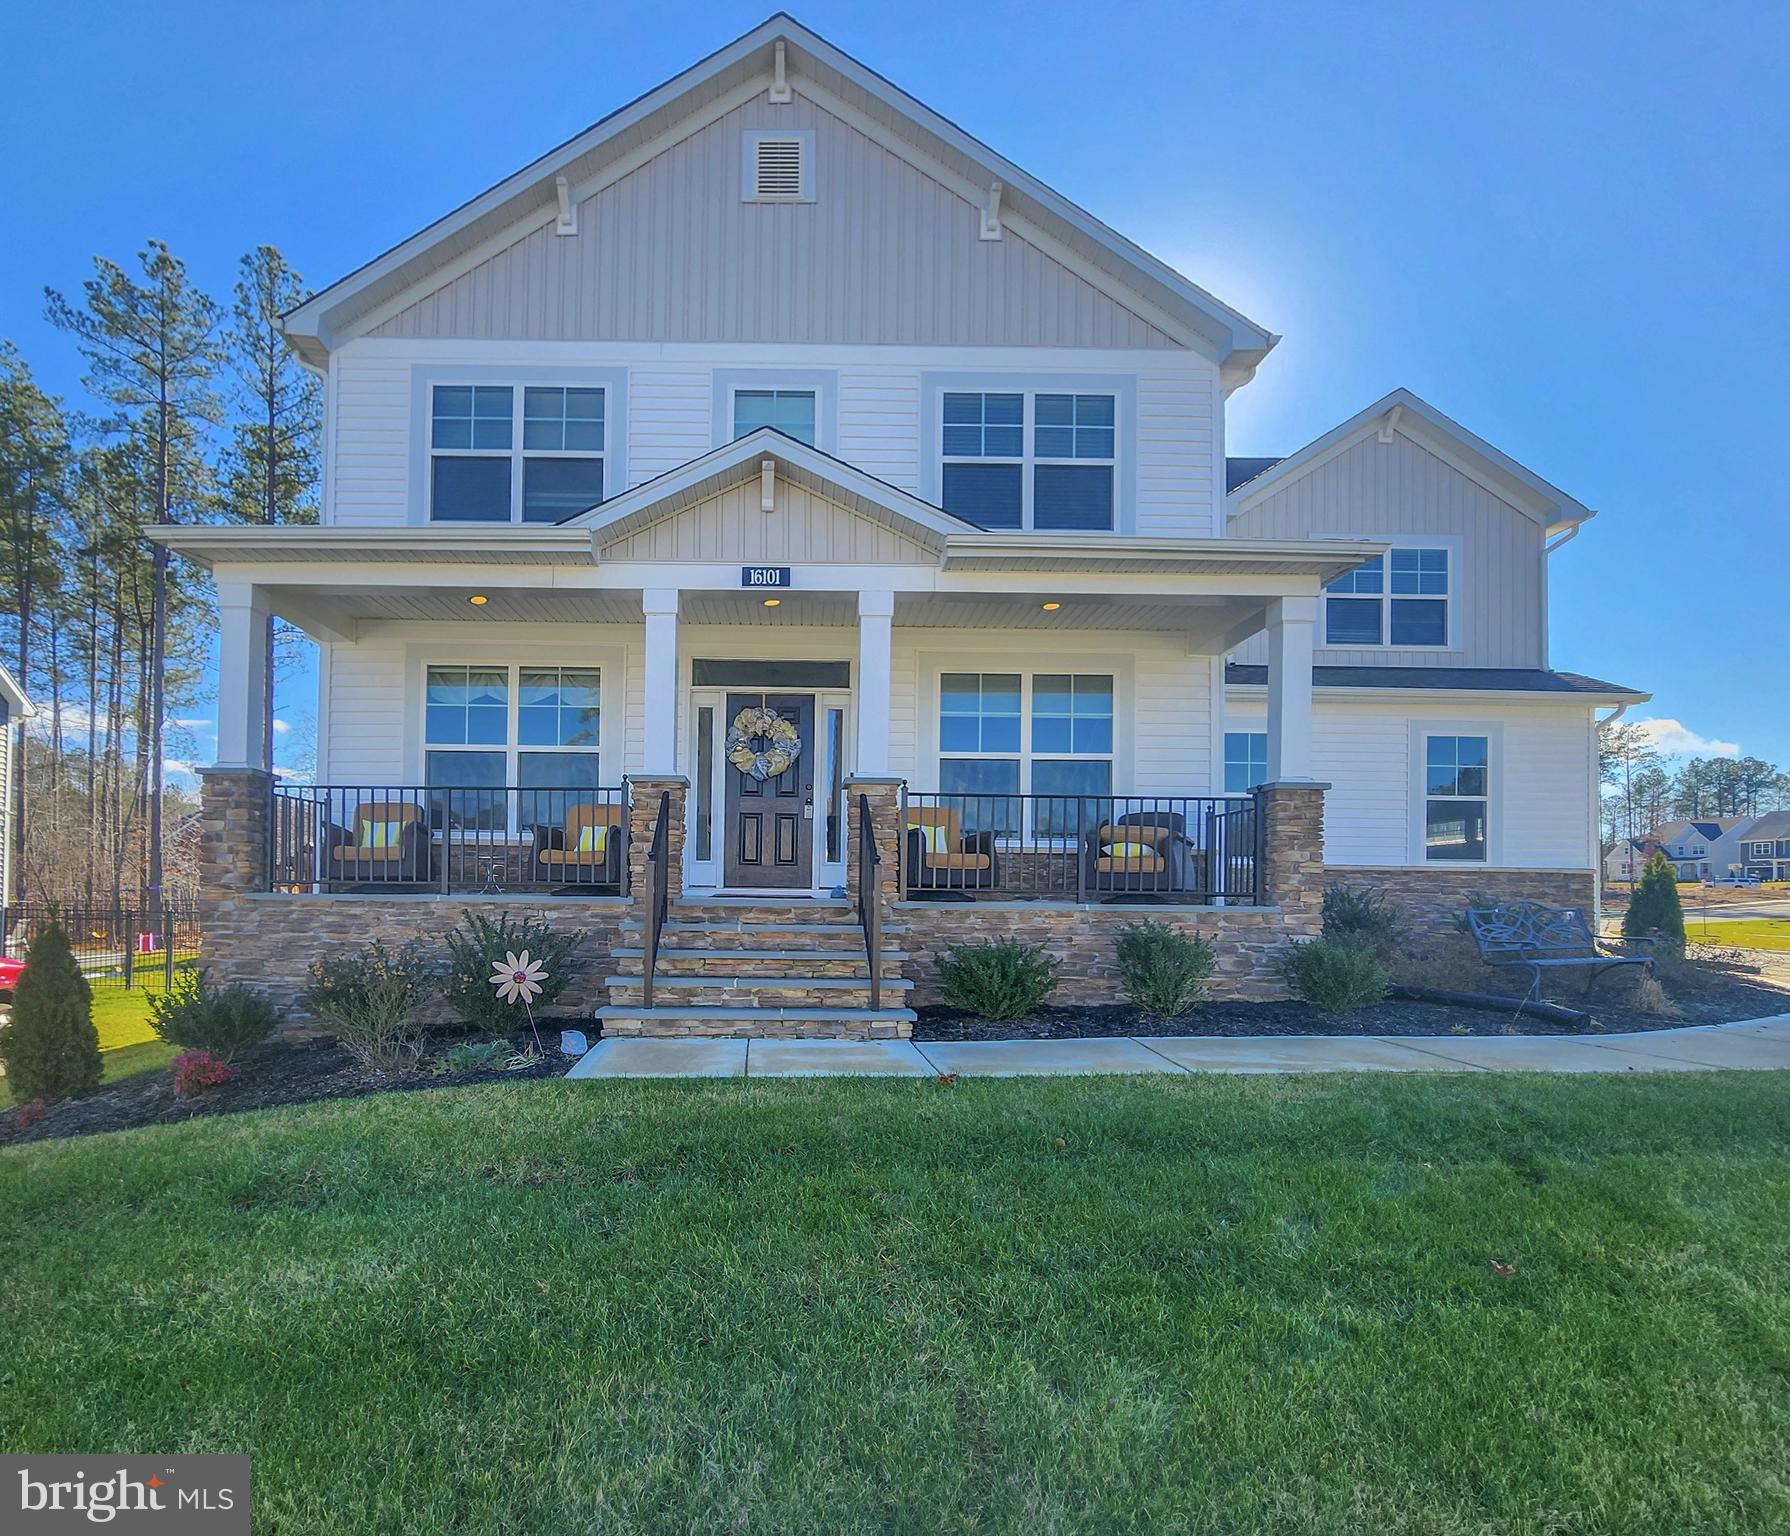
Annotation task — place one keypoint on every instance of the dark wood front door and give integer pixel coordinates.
(770, 822)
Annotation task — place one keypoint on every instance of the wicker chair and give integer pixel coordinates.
(360, 854)
(1164, 863)
(963, 864)
(560, 861)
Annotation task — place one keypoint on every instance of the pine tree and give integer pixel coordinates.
(51, 1046)
(1654, 908)
(152, 354)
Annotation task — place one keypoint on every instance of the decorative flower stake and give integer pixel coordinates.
(518, 979)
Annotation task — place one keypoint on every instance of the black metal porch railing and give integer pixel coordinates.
(1168, 848)
(328, 838)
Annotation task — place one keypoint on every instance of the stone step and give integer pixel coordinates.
(682, 1019)
(819, 909)
(758, 991)
(677, 961)
(736, 935)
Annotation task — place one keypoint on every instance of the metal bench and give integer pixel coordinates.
(1538, 939)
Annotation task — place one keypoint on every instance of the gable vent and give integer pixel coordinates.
(777, 169)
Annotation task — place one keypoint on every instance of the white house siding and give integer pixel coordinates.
(1363, 750)
(884, 254)
(364, 732)
(669, 412)
(1392, 490)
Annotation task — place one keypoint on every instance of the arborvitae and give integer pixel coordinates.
(51, 1046)
(1654, 908)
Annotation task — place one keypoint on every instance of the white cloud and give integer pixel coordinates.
(280, 727)
(194, 725)
(1676, 738)
(181, 775)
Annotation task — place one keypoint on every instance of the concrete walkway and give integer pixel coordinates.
(1754, 1044)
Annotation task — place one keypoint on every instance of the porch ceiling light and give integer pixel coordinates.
(1052, 607)
(478, 599)
(773, 602)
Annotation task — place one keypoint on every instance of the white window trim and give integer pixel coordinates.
(1224, 761)
(822, 383)
(516, 453)
(1496, 796)
(1450, 542)
(749, 143)
(1029, 459)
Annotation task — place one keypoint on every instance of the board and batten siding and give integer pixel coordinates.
(1364, 752)
(670, 405)
(1400, 489)
(884, 254)
(732, 525)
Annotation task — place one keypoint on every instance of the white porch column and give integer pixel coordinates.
(1291, 621)
(242, 676)
(876, 620)
(659, 750)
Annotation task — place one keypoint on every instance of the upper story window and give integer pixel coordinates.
(1029, 459)
(498, 454)
(789, 411)
(1400, 599)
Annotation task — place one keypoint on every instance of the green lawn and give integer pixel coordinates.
(1747, 933)
(1219, 1305)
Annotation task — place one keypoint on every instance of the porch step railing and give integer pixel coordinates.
(1176, 848)
(658, 895)
(870, 906)
(450, 838)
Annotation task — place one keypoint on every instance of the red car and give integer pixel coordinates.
(10, 971)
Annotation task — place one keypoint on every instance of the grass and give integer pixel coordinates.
(1746, 933)
(127, 1044)
(1218, 1304)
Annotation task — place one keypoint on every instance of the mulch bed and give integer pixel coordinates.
(1713, 996)
(267, 1077)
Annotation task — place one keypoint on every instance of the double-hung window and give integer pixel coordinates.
(1029, 459)
(1399, 599)
(1245, 761)
(1457, 798)
(536, 727)
(790, 411)
(500, 454)
(1003, 735)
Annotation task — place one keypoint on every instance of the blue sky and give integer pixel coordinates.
(1568, 226)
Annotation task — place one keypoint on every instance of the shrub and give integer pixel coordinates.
(51, 1048)
(1655, 908)
(478, 942)
(1363, 915)
(1001, 980)
(1162, 969)
(370, 1001)
(1334, 975)
(197, 1072)
(471, 1056)
(219, 1021)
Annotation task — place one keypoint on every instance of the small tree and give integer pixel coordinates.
(51, 1046)
(1655, 908)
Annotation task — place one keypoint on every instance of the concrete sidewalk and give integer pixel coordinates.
(1754, 1044)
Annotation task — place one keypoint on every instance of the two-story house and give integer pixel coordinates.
(1765, 846)
(774, 484)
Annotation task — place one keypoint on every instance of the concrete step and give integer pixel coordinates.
(728, 934)
(758, 991)
(682, 961)
(683, 1019)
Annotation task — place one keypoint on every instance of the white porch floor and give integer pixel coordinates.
(1755, 1044)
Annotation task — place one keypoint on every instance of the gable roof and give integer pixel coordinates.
(741, 460)
(529, 197)
(1240, 471)
(1404, 413)
(1768, 828)
(17, 705)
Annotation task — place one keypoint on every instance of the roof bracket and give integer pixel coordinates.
(767, 485)
(780, 91)
(991, 213)
(1390, 424)
(567, 222)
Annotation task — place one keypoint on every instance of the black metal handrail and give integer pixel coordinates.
(870, 906)
(658, 896)
(1194, 849)
(327, 838)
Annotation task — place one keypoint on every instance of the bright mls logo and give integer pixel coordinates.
(144, 1495)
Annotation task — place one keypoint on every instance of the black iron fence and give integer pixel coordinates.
(1169, 848)
(122, 945)
(382, 837)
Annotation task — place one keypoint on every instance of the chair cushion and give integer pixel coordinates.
(957, 861)
(588, 857)
(1146, 864)
(369, 855)
(1126, 832)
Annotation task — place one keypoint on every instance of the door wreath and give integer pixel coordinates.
(761, 743)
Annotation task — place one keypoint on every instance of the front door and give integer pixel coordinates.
(770, 819)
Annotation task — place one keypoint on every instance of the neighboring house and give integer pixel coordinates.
(15, 710)
(1625, 861)
(776, 391)
(1765, 846)
(1709, 848)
